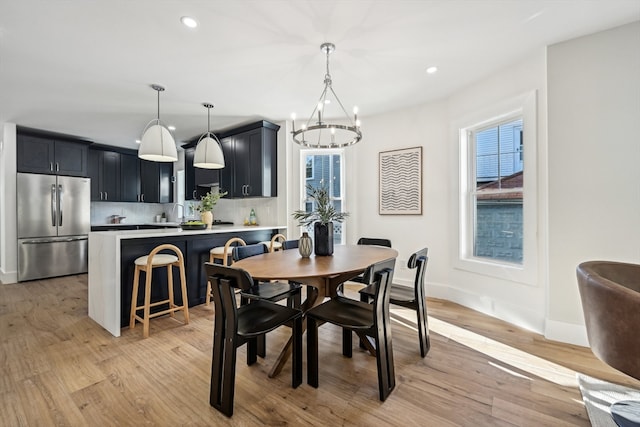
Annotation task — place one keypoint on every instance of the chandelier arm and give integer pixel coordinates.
(342, 106)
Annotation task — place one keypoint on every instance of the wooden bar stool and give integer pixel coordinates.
(147, 263)
(275, 244)
(223, 253)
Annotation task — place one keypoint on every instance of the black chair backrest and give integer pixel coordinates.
(381, 275)
(242, 252)
(374, 241)
(419, 261)
(290, 244)
(223, 281)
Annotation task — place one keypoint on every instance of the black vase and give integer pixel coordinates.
(323, 239)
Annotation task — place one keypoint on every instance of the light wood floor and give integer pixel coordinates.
(60, 368)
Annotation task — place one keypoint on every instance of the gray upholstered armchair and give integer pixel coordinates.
(610, 293)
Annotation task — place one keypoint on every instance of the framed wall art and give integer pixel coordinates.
(400, 182)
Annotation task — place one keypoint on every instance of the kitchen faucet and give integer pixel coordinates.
(179, 218)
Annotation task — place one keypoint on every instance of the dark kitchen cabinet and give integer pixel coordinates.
(104, 171)
(198, 181)
(129, 178)
(155, 182)
(49, 154)
(251, 161)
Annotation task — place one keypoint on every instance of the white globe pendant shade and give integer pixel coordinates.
(157, 144)
(208, 154)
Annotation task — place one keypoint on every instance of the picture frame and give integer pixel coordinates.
(400, 182)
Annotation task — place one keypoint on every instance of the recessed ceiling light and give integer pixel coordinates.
(137, 141)
(189, 21)
(432, 70)
(171, 128)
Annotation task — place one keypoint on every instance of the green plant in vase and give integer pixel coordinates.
(322, 217)
(207, 202)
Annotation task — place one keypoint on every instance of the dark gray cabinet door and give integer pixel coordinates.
(155, 182)
(251, 164)
(104, 171)
(41, 154)
(129, 178)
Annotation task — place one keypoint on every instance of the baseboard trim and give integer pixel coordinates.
(569, 333)
(8, 278)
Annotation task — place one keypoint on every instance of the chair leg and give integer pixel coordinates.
(172, 302)
(296, 368)
(185, 298)
(217, 372)
(423, 328)
(252, 350)
(134, 298)
(147, 303)
(229, 378)
(207, 297)
(312, 352)
(347, 342)
(384, 360)
(262, 345)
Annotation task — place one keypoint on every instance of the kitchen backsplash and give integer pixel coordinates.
(233, 210)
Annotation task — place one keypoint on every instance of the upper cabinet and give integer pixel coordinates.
(198, 181)
(120, 176)
(50, 154)
(251, 164)
(155, 182)
(251, 161)
(129, 178)
(104, 171)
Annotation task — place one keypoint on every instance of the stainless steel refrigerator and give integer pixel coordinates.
(53, 225)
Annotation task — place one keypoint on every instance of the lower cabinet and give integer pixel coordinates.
(195, 249)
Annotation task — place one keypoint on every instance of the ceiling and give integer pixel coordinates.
(85, 67)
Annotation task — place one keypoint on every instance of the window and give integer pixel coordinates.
(309, 167)
(497, 200)
(326, 170)
(498, 191)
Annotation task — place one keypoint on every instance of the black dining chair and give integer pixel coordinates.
(410, 297)
(235, 326)
(290, 244)
(373, 241)
(275, 291)
(271, 291)
(366, 320)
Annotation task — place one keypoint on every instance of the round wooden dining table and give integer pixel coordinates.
(324, 273)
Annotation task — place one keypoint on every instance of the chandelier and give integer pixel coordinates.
(316, 132)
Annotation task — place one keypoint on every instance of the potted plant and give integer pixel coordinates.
(322, 218)
(207, 202)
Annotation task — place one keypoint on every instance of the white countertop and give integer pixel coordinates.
(138, 234)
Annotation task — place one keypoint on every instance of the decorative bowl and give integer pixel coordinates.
(193, 225)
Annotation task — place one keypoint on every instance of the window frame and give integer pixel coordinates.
(304, 152)
(524, 106)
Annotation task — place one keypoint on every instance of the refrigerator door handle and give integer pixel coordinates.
(60, 194)
(53, 205)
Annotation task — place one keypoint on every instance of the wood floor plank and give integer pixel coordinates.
(61, 368)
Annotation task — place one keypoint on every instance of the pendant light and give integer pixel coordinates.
(157, 144)
(208, 153)
(317, 132)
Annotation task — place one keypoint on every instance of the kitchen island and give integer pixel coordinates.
(111, 265)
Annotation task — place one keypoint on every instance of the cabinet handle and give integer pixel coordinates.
(57, 167)
(51, 166)
(106, 196)
(194, 194)
(101, 195)
(142, 197)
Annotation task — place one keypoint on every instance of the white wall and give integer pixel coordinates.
(8, 235)
(430, 126)
(594, 159)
